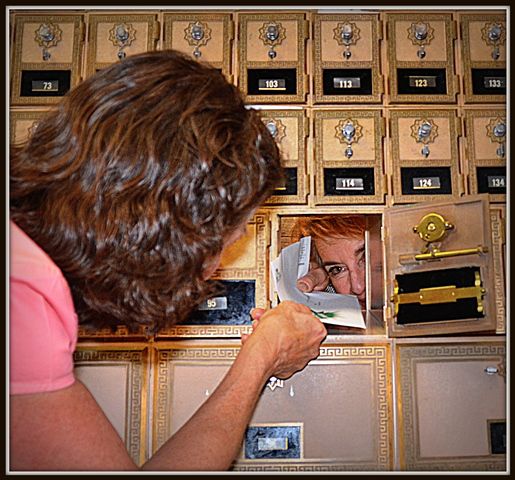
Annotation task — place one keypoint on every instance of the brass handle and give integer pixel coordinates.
(407, 259)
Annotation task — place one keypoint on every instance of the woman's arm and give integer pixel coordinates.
(67, 430)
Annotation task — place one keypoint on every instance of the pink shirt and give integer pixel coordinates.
(43, 324)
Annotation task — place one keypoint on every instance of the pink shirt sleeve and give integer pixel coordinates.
(42, 320)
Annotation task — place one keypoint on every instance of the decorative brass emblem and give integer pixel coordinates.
(496, 130)
(47, 36)
(432, 227)
(122, 35)
(276, 128)
(272, 34)
(348, 131)
(421, 34)
(494, 35)
(197, 34)
(424, 131)
(346, 34)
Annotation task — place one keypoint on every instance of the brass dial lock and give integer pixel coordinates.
(432, 227)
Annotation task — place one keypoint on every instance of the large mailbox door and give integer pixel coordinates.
(439, 268)
(452, 404)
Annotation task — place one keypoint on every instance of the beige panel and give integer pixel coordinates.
(406, 50)
(117, 378)
(332, 50)
(364, 49)
(191, 373)
(437, 48)
(33, 52)
(331, 146)
(289, 48)
(61, 53)
(22, 123)
(217, 34)
(477, 49)
(483, 146)
(407, 149)
(290, 127)
(142, 31)
(446, 401)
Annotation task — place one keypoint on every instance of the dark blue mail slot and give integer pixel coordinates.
(273, 442)
(230, 307)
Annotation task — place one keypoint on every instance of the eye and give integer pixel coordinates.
(335, 271)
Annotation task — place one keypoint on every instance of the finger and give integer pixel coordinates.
(257, 313)
(315, 279)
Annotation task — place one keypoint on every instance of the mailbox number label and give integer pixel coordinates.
(426, 182)
(45, 85)
(272, 84)
(496, 182)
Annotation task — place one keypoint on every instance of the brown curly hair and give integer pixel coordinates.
(134, 181)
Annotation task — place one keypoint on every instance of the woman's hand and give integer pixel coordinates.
(287, 337)
(315, 280)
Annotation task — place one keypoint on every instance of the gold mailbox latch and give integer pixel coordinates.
(445, 294)
(432, 228)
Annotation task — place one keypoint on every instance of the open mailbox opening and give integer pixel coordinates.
(424, 269)
(346, 251)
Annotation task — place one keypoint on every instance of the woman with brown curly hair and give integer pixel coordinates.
(122, 203)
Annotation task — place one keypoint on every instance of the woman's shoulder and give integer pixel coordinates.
(27, 258)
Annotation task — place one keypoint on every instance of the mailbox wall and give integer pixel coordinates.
(371, 110)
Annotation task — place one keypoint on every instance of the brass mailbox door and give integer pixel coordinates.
(117, 377)
(349, 156)
(205, 36)
(452, 405)
(289, 129)
(346, 50)
(483, 50)
(243, 279)
(439, 266)
(318, 422)
(486, 152)
(189, 371)
(46, 61)
(312, 421)
(272, 57)
(421, 57)
(112, 37)
(424, 160)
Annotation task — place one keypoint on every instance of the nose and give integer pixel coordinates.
(357, 281)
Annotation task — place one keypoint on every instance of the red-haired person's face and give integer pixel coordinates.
(344, 261)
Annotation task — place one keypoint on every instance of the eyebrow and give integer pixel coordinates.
(331, 263)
